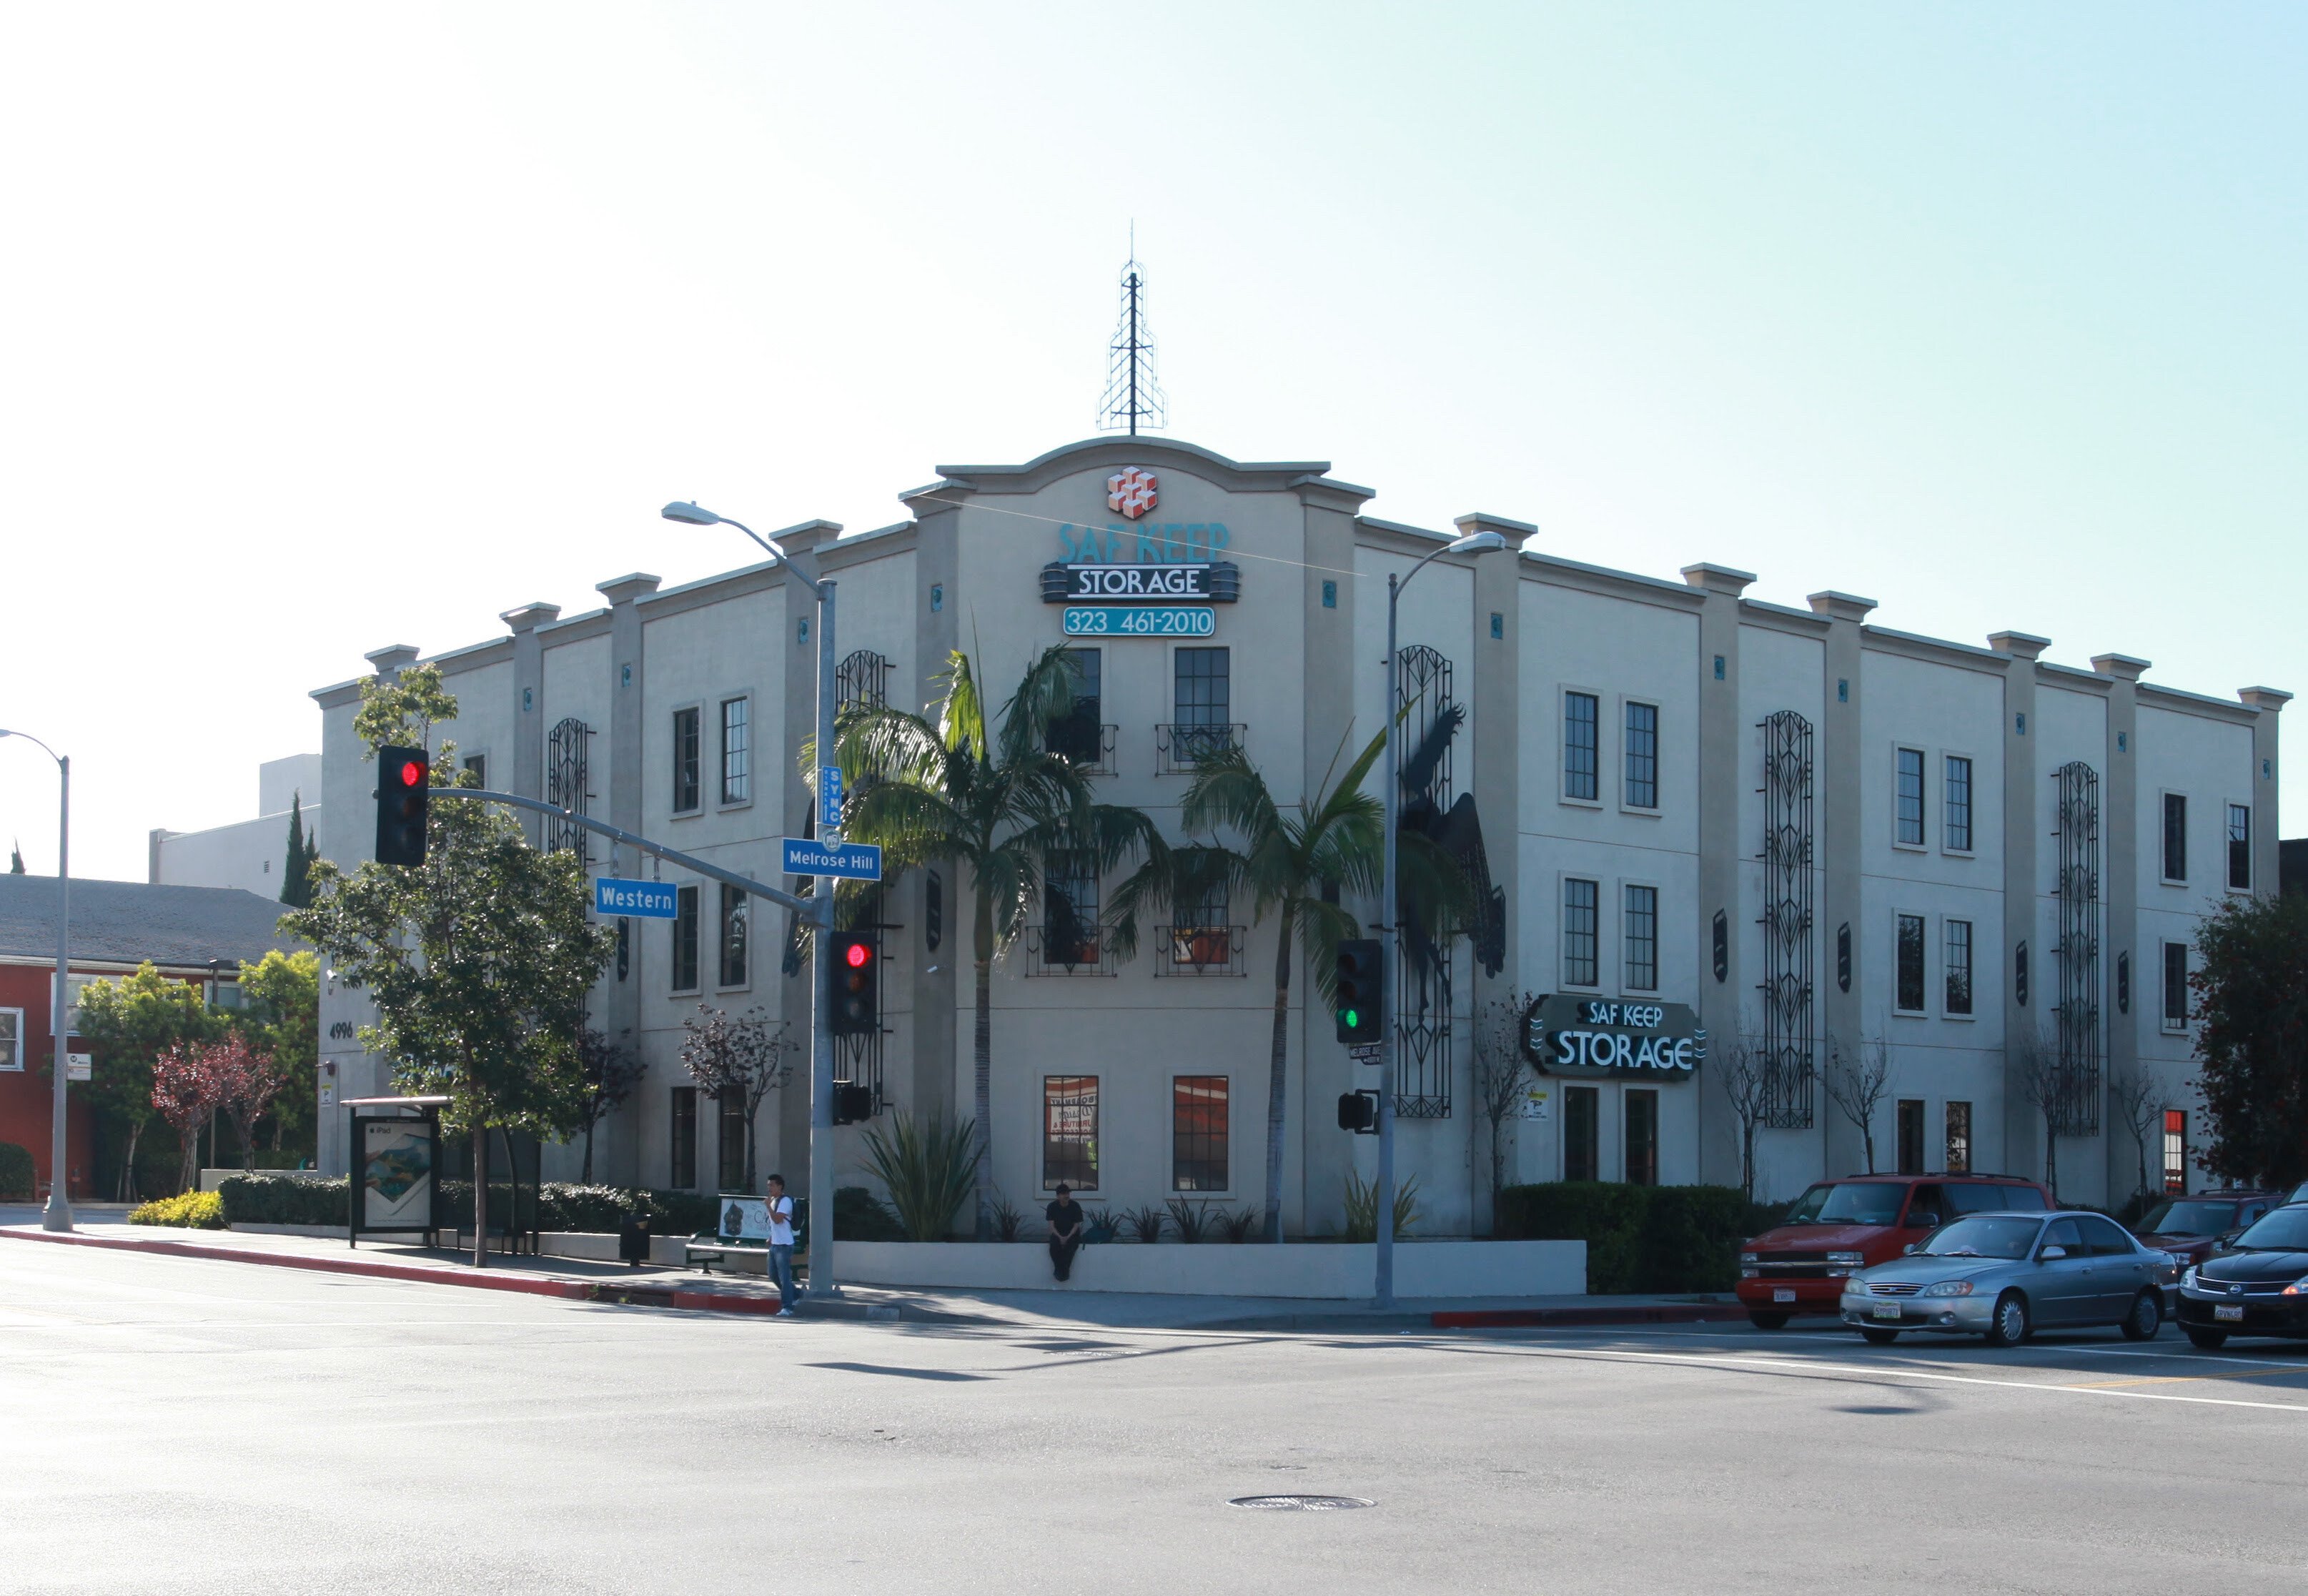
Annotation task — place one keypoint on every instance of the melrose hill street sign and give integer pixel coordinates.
(1611, 1036)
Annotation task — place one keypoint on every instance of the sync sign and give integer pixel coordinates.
(1592, 1036)
(643, 899)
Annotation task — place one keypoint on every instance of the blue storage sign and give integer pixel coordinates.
(643, 899)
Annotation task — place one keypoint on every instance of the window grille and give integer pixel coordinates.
(861, 681)
(1790, 1070)
(566, 784)
(1422, 975)
(2077, 889)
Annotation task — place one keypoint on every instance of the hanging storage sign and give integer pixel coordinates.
(1612, 1036)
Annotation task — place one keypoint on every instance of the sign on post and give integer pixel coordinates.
(1564, 1034)
(829, 797)
(79, 1066)
(854, 861)
(643, 899)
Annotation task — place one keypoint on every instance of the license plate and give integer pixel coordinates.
(1783, 1293)
(1885, 1310)
(2223, 1311)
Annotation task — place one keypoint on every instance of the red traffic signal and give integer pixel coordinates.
(402, 776)
(856, 982)
(857, 955)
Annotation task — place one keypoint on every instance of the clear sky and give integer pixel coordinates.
(324, 327)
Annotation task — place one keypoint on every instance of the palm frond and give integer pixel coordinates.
(1045, 693)
(962, 723)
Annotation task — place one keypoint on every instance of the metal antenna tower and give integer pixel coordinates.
(1132, 393)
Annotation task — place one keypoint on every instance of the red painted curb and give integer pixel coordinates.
(1507, 1318)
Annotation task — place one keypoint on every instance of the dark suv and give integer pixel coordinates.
(1841, 1226)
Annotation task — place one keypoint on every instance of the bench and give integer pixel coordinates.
(706, 1246)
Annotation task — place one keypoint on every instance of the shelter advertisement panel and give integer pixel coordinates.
(397, 1170)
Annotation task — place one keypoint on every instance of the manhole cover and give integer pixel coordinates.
(1300, 1504)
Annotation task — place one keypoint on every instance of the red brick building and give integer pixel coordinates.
(192, 933)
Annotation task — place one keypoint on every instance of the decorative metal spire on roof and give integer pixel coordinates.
(1132, 393)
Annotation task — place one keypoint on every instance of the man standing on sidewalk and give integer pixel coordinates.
(781, 1246)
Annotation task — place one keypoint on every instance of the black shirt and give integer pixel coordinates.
(1067, 1216)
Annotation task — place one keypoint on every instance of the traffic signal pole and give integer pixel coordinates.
(821, 967)
(1390, 949)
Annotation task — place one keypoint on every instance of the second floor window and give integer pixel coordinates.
(2175, 986)
(1958, 967)
(1642, 755)
(1955, 816)
(2176, 837)
(1069, 908)
(733, 936)
(1578, 745)
(686, 792)
(2240, 847)
(1075, 735)
(1204, 683)
(684, 939)
(1909, 997)
(478, 765)
(736, 751)
(1910, 798)
(1580, 933)
(1642, 918)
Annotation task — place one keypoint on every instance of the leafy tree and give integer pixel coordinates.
(280, 1016)
(478, 960)
(16, 858)
(296, 874)
(2251, 990)
(131, 1023)
(245, 1083)
(744, 1060)
(611, 1070)
(998, 800)
(189, 1082)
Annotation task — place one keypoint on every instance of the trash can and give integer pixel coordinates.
(633, 1239)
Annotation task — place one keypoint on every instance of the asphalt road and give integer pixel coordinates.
(171, 1425)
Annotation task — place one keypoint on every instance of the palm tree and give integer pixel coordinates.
(1292, 866)
(1002, 804)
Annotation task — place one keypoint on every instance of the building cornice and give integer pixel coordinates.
(708, 591)
(593, 623)
(1781, 617)
(1935, 650)
(1553, 570)
(898, 538)
(1094, 453)
(2179, 701)
(2068, 676)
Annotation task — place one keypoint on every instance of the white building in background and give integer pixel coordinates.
(1821, 837)
(248, 854)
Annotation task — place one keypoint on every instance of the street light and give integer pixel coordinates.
(58, 1215)
(820, 1037)
(1472, 543)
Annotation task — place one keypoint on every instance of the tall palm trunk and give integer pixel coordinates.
(982, 1061)
(480, 1196)
(1277, 1099)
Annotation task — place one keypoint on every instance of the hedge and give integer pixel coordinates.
(280, 1200)
(858, 1215)
(18, 1179)
(1640, 1239)
(196, 1211)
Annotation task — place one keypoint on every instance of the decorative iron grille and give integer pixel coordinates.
(1422, 980)
(863, 680)
(567, 784)
(2077, 891)
(1199, 949)
(1789, 1064)
(1181, 745)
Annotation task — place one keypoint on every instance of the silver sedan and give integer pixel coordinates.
(2007, 1275)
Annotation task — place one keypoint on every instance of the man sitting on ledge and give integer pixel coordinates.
(1065, 1217)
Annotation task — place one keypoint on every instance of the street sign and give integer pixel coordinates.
(1367, 1052)
(856, 861)
(829, 796)
(643, 899)
(79, 1066)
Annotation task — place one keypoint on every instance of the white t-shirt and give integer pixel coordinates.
(781, 1221)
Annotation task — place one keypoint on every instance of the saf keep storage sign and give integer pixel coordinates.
(1612, 1036)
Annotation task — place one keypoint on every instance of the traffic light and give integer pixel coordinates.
(403, 775)
(852, 1103)
(1357, 1010)
(1359, 1112)
(857, 983)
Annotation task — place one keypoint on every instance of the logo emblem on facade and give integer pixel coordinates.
(1130, 490)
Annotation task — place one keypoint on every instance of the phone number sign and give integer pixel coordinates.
(1116, 620)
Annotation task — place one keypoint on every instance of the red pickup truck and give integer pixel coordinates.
(1841, 1226)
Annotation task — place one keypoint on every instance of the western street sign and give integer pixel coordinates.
(856, 861)
(643, 899)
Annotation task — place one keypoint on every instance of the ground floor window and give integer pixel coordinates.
(1641, 1106)
(2176, 1150)
(733, 1141)
(1911, 1135)
(1198, 1133)
(1070, 1132)
(1583, 1142)
(12, 1039)
(1958, 1138)
(684, 1163)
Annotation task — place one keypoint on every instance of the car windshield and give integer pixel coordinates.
(1848, 1203)
(2193, 1217)
(2284, 1231)
(1982, 1236)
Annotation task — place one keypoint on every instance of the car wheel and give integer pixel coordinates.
(2146, 1317)
(1768, 1321)
(2210, 1340)
(2010, 1324)
(1878, 1338)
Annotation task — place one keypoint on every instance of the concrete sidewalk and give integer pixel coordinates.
(657, 1285)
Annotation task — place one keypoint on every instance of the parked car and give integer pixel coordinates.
(1840, 1226)
(2187, 1228)
(2007, 1275)
(2257, 1285)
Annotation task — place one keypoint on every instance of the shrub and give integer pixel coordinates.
(1192, 1220)
(1007, 1221)
(17, 1177)
(1239, 1225)
(1640, 1239)
(1100, 1226)
(1362, 1207)
(197, 1211)
(1146, 1223)
(281, 1200)
(929, 1167)
(858, 1215)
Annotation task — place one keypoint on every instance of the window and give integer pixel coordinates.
(2175, 986)
(1202, 687)
(684, 1162)
(1958, 1138)
(1075, 734)
(1070, 1132)
(2176, 837)
(1070, 909)
(736, 751)
(684, 939)
(2175, 1151)
(1910, 798)
(730, 1121)
(1909, 1119)
(1642, 919)
(684, 761)
(1198, 1133)
(1642, 756)
(1959, 966)
(1580, 938)
(1909, 996)
(1579, 745)
(478, 765)
(1955, 807)
(1581, 1141)
(1200, 935)
(2240, 847)
(12, 1039)
(732, 970)
(1643, 1136)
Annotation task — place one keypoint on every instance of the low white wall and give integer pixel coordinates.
(1325, 1270)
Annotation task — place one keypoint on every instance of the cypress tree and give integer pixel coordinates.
(295, 875)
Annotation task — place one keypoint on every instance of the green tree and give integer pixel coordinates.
(479, 961)
(296, 874)
(129, 1023)
(280, 1016)
(2251, 987)
(996, 800)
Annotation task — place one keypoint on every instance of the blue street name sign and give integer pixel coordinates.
(829, 796)
(645, 899)
(858, 861)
